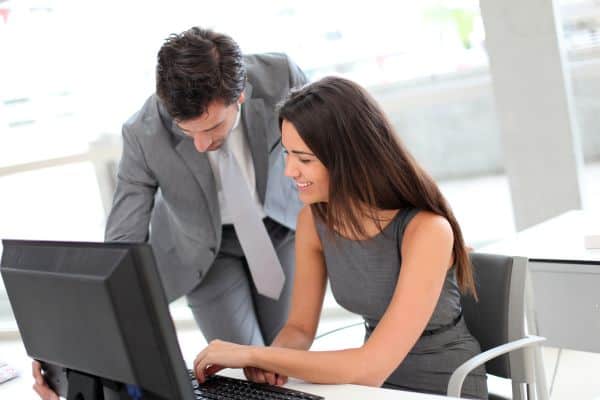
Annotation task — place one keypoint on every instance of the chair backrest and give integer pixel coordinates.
(499, 315)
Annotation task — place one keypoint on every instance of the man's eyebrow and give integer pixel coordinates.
(214, 126)
(204, 130)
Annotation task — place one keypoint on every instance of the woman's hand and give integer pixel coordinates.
(261, 376)
(219, 355)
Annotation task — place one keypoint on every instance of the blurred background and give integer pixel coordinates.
(72, 72)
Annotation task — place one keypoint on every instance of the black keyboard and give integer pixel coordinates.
(219, 387)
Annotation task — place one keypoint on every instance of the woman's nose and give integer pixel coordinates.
(290, 170)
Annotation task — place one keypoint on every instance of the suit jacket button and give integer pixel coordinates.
(213, 250)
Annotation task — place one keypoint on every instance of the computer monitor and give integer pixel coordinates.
(97, 310)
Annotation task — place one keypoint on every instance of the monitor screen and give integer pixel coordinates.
(98, 309)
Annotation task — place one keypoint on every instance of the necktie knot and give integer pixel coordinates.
(225, 150)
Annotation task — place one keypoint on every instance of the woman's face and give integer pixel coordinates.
(307, 171)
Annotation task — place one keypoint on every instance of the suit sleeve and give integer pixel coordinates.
(133, 200)
(297, 77)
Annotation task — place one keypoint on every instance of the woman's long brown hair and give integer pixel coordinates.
(369, 168)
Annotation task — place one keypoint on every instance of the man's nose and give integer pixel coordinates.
(202, 142)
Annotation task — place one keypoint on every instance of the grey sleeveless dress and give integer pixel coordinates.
(363, 276)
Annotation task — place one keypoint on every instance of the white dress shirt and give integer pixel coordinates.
(240, 148)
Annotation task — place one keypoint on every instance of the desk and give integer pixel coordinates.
(20, 388)
(345, 392)
(563, 296)
(565, 279)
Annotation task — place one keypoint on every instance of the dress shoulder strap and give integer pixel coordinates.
(407, 216)
(404, 220)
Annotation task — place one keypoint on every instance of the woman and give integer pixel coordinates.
(376, 225)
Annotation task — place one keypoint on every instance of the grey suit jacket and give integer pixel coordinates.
(166, 192)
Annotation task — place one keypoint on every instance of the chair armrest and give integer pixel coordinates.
(459, 375)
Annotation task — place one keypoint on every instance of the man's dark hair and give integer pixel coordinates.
(196, 67)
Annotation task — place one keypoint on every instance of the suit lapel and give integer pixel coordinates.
(197, 163)
(255, 127)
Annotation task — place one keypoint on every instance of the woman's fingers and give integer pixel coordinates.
(281, 380)
(261, 376)
(199, 358)
(212, 369)
(218, 355)
(270, 378)
(251, 373)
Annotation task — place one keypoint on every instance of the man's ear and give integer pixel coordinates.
(242, 98)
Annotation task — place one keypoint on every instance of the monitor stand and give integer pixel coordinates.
(88, 387)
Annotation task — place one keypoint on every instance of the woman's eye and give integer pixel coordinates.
(304, 161)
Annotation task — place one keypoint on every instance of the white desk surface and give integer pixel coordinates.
(344, 392)
(560, 238)
(564, 304)
(20, 388)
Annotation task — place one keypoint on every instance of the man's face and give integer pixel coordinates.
(210, 130)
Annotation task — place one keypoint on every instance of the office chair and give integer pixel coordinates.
(497, 321)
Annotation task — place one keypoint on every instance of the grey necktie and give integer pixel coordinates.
(262, 260)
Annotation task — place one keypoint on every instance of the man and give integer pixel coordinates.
(174, 185)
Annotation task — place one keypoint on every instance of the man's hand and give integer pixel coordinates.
(40, 386)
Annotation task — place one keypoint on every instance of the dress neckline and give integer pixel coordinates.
(391, 222)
